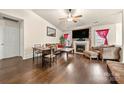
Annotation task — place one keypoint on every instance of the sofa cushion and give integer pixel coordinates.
(60, 46)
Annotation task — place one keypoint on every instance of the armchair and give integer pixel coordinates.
(111, 53)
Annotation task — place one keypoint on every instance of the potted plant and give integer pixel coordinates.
(62, 40)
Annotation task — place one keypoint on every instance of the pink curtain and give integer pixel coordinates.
(103, 34)
(65, 36)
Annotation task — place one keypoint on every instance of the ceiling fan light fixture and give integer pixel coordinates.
(69, 19)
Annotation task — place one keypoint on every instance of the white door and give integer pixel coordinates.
(10, 39)
(1, 38)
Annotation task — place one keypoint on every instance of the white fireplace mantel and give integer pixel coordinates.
(86, 43)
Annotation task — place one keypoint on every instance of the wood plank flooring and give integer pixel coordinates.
(76, 70)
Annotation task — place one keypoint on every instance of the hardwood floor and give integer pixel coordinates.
(77, 69)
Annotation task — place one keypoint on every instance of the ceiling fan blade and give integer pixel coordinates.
(62, 18)
(77, 16)
(74, 20)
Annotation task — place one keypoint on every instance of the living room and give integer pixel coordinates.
(34, 27)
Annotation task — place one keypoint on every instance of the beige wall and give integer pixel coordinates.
(34, 29)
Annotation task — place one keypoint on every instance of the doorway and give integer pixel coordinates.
(9, 38)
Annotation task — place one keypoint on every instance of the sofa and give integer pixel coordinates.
(109, 52)
(91, 54)
(117, 71)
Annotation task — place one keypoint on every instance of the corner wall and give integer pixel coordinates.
(123, 36)
(119, 34)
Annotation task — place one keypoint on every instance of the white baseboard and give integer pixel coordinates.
(27, 56)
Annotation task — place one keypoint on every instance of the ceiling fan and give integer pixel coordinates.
(71, 17)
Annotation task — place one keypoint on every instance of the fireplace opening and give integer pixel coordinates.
(80, 48)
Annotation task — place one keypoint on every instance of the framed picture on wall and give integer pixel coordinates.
(51, 31)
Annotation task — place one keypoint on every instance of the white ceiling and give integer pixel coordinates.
(90, 17)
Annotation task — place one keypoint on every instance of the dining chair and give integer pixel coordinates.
(37, 51)
(50, 56)
(56, 51)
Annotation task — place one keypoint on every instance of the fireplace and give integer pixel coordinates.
(80, 48)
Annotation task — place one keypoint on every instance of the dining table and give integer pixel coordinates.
(41, 49)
